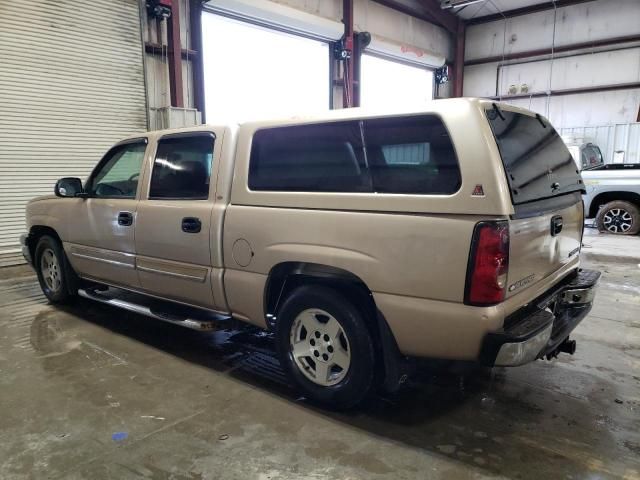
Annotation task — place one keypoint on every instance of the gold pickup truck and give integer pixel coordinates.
(359, 239)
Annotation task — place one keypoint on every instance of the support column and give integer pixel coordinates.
(175, 56)
(195, 21)
(458, 64)
(348, 90)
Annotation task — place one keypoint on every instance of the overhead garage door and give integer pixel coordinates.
(71, 84)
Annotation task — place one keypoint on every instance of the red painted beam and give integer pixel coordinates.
(348, 91)
(516, 12)
(175, 57)
(458, 65)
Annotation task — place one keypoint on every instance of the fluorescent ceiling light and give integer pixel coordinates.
(448, 4)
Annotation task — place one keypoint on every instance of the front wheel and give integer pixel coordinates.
(53, 274)
(325, 346)
(619, 217)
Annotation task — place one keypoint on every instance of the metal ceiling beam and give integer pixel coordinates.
(443, 17)
(572, 91)
(516, 12)
(558, 49)
(427, 10)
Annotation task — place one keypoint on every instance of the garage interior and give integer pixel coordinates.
(88, 391)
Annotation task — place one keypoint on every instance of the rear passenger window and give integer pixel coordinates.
(412, 155)
(182, 167)
(316, 158)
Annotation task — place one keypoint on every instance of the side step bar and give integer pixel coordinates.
(192, 318)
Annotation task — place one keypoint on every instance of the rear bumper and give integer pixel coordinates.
(540, 327)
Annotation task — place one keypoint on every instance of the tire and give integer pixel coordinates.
(339, 368)
(619, 217)
(57, 280)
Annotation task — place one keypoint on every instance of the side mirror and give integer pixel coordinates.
(68, 187)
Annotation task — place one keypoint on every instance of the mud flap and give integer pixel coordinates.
(396, 366)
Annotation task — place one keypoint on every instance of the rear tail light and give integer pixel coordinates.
(488, 264)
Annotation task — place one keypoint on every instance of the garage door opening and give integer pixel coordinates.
(389, 85)
(252, 72)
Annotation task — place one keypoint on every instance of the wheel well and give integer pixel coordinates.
(607, 197)
(287, 276)
(36, 232)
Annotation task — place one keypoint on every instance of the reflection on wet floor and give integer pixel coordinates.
(217, 405)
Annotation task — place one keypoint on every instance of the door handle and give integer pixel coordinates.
(191, 225)
(125, 219)
(556, 225)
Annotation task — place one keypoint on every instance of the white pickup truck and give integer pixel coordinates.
(613, 197)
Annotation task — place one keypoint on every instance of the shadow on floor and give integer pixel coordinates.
(502, 422)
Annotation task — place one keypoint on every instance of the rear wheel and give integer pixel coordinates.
(325, 346)
(619, 217)
(55, 276)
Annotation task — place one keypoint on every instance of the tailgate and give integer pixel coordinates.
(545, 187)
(543, 244)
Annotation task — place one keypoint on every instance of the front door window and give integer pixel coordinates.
(118, 173)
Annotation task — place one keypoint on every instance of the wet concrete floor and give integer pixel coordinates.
(89, 392)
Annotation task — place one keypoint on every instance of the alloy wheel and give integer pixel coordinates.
(320, 347)
(50, 269)
(617, 220)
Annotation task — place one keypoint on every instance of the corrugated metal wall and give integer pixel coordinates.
(71, 84)
(623, 139)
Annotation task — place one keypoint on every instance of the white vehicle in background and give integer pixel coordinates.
(613, 190)
(613, 197)
(586, 155)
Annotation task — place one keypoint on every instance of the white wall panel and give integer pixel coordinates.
(71, 84)
(586, 109)
(606, 68)
(480, 80)
(575, 24)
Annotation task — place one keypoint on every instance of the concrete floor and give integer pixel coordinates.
(92, 392)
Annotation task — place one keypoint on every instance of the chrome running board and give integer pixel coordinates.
(188, 317)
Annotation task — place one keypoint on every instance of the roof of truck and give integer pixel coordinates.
(337, 114)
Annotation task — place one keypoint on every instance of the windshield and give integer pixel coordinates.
(536, 160)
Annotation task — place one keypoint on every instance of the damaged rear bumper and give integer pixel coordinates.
(540, 328)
